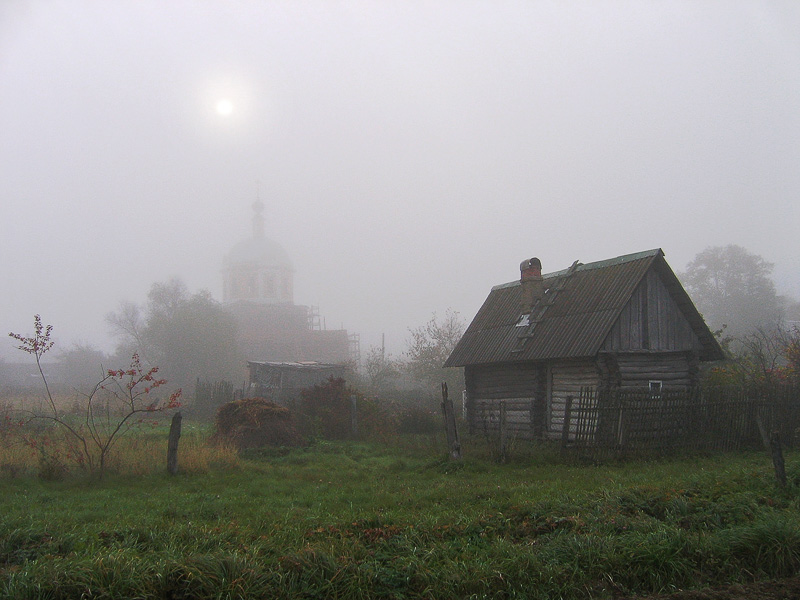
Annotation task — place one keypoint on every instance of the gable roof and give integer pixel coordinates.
(581, 306)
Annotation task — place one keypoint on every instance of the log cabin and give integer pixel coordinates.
(620, 324)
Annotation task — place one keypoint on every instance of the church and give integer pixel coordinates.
(258, 290)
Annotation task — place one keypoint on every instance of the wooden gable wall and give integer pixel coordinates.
(651, 320)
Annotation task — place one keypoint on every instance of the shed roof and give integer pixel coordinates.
(581, 306)
(298, 366)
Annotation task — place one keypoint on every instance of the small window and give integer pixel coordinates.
(524, 320)
(655, 387)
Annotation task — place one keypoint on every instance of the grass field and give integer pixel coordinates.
(396, 520)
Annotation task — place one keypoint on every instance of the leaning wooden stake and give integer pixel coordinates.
(777, 458)
(453, 445)
(172, 444)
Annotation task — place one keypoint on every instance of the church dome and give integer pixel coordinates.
(262, 252)
(257, 269)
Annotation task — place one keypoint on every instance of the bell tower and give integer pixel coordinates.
(257, 269)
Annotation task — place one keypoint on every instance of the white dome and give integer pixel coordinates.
(261, 252)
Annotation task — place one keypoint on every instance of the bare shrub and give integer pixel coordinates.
(99, 428)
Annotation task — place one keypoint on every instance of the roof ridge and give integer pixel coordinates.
(592, 265)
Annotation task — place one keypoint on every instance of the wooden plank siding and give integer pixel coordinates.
(651, 320)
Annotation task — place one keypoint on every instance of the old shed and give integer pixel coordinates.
(281, 381)
(619, 324)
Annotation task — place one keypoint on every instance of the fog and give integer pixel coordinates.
(409, 154)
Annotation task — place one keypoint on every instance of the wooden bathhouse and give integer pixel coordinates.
(619, 324)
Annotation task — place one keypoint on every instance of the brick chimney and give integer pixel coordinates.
(532, 284)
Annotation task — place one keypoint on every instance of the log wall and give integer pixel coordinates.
(567, 379)
(520, 385)
(676, 370)
(535, 395)
(506, 380)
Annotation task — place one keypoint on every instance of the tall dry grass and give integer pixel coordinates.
(139, 455)
(37, 448)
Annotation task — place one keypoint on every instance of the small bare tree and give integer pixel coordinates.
(380, 369)
(97, 430)
(429, 347)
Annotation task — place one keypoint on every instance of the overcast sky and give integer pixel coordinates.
(409, 154)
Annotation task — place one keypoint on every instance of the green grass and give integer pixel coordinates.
(358, 520)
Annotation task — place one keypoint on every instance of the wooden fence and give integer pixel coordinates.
(616, 422)
(711, 419)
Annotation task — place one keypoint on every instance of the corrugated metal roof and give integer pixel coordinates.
(587, 302)
(305, 366)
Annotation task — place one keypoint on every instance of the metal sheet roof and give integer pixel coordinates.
(305, 366)
(587, 302)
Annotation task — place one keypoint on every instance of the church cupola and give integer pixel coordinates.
(258, 269)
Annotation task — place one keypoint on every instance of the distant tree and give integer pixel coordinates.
(793, 354)
(380, 370)
(428, 348)
(128, 324)
(189, 335)
(733, 290)
(81, 365)
(792, 311)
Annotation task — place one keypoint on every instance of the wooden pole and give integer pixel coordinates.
(777, 458)
(172, 444)
(353, 416)
(503, 432)
(453, 445)
(762, 431)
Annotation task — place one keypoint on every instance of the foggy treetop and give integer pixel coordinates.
(409, 155)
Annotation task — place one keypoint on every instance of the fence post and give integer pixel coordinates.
(172, 444)
(777, 458)
(453, 445)
(353, 416)
(762, 431)
(567, 422)
(503, 432)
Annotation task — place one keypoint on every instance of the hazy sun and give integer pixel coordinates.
(224, 107)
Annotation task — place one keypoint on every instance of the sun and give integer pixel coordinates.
(224, 107)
